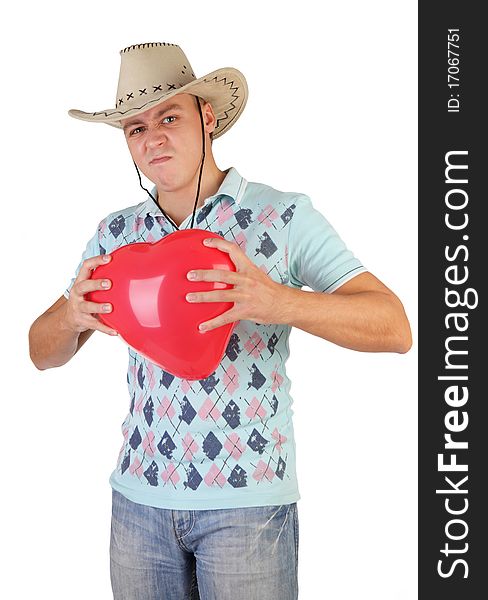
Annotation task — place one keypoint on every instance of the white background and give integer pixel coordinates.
(331, 113)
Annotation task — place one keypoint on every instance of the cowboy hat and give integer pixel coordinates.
(152, 73)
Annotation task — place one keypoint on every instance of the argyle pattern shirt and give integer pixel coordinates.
(225, 441)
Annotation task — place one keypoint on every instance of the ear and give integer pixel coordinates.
(209, 117)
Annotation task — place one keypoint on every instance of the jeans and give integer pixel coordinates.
(246, 553)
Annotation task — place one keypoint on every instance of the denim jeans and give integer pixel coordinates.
(246, 553)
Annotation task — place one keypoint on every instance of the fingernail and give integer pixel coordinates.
(201, 327)
(106, 307)
(106, 257)
(191, 275)
(113, 333)
(105, 283)
(207, 241)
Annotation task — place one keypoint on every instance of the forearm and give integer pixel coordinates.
(364, 321)
(51, 342)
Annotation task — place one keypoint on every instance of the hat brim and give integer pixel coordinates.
(226, 90)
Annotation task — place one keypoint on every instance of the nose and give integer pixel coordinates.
(155, 137)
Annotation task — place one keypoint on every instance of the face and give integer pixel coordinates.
(170, 129)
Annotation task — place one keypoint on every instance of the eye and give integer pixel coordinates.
(135, 130)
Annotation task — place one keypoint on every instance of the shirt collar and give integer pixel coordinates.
(233, 185)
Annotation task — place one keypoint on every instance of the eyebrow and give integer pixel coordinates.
(137, 121)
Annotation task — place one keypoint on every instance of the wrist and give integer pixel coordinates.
(284, 305)
(64, 320)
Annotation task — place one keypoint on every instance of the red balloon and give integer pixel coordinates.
(149, 307)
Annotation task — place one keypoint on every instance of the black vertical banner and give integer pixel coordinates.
(453, 360)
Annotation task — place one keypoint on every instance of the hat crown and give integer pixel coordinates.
(149, 70)
(152, 73)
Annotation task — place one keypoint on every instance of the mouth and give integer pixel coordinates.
(159, 159)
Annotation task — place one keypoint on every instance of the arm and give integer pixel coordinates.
(362, 314)
(51, 342)
(57, 335)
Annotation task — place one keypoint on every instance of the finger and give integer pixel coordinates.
(213, 296)
(220, 243)
(236, 254)
(228, 317)
(221, 275)
(90, 264)
(95, 307)
(97, 325)
(91, 285)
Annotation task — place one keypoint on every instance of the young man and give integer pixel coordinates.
(205, 480)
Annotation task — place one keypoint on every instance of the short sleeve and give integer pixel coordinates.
(92, 249)
(317, 256)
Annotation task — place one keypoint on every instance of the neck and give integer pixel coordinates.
(178, 204)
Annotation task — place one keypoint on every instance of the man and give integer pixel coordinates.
(205, 480)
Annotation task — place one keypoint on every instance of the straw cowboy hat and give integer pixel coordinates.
(154, 72)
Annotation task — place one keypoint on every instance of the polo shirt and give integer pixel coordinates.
(226, 441)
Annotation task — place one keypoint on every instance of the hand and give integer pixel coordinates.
(80, 314)
(255, 295)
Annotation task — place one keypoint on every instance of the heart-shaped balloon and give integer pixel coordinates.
(149, 307)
